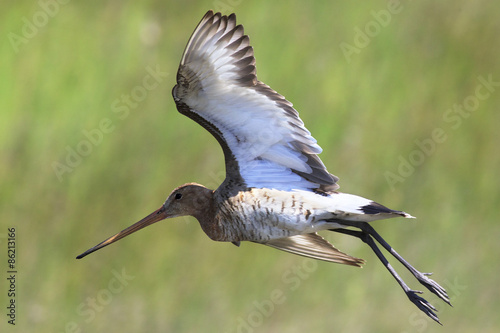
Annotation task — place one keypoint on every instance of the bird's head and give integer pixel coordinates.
(189, 199)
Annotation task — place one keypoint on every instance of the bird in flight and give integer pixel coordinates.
(277, 192)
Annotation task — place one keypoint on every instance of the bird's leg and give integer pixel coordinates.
(420, 302)
(423, 278)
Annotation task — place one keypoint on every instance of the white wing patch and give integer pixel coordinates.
(217, 82)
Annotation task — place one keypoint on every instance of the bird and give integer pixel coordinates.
(277, 192)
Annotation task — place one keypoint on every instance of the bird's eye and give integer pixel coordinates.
(178, 196)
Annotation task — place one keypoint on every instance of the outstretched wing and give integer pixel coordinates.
(264, 141)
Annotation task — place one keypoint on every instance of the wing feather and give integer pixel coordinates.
(314, 246)
(264, 141)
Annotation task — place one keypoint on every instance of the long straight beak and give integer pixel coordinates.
(154, 217)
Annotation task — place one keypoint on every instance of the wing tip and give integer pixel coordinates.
(208, 14)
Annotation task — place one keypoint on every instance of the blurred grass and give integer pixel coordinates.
(365, 114)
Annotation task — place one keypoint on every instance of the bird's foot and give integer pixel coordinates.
(433, 287)
(423, 305)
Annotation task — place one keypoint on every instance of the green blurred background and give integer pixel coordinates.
(371, 111)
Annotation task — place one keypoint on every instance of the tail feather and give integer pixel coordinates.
(376, 208)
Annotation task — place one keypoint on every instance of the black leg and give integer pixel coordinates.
(420, 302)
(430, 284)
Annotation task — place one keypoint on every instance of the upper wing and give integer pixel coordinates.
(264, 141)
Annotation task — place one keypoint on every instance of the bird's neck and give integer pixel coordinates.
(204, 212)
(209, 215)
(209, 224)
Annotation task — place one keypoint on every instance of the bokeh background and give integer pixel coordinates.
(80, 161)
